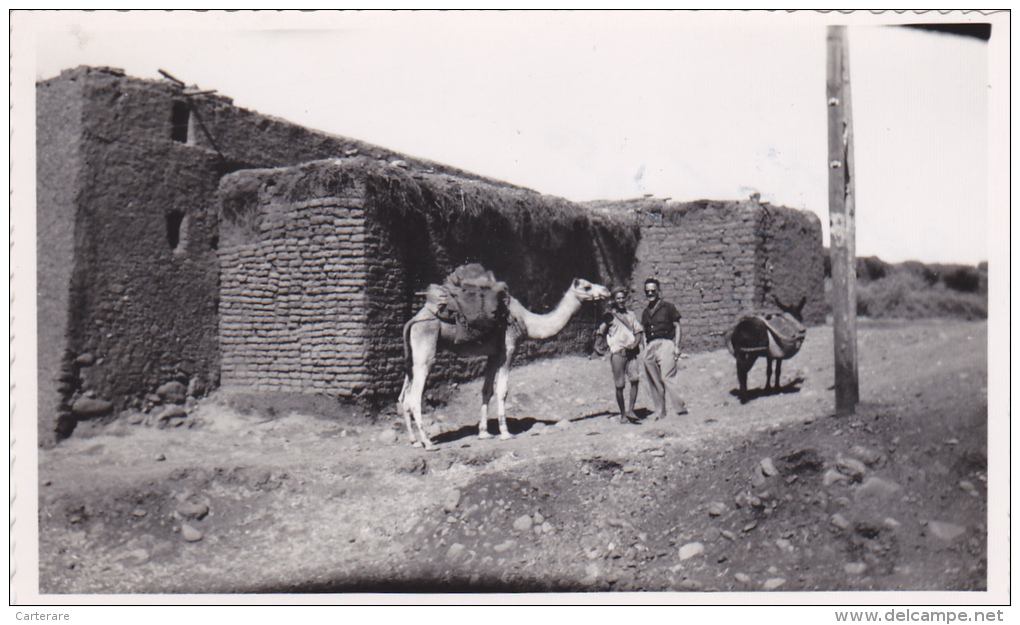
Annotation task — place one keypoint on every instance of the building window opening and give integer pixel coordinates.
(176, 230)
(180, 118)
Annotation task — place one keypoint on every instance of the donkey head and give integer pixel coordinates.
(797, 312)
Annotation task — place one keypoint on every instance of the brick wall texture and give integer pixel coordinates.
(718, 261)
(322, 264)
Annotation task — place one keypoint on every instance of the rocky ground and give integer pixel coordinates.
(275, 495)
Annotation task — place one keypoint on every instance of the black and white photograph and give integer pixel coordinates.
(677, 308)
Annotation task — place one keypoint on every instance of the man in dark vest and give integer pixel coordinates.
(661, 321)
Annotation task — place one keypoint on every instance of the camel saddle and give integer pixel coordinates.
(472, 299)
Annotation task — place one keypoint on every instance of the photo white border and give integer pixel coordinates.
(24, 450)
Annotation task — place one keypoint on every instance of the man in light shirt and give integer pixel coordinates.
(623, 336)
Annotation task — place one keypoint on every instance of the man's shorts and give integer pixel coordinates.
(625, 367)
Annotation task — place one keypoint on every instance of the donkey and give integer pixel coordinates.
(775, 336)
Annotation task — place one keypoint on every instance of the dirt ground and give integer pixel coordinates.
(253, 495)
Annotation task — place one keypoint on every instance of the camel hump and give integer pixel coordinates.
(472, 273)
(475, 301)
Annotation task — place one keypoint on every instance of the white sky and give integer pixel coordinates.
(605, 105)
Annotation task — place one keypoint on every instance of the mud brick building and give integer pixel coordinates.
(720, 260)
(322, 264)
(128, 230)
(183, 238)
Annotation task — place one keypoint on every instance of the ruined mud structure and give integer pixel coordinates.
(181, 238)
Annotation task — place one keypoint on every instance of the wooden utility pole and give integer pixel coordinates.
(842, 221)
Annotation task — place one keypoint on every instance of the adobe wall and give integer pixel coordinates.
(58, 160)
(791, 260)
(704, 256)
(322, 264)
(720, 260)
(130, 246)
(142, 303)
(293, 306)
(128, 231)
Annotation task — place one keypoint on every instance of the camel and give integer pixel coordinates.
(424, 334)
(776, 337)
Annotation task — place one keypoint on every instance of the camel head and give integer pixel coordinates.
(586, 291)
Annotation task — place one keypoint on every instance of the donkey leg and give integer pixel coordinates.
(768, 374)
(779, 368)
(743, 366)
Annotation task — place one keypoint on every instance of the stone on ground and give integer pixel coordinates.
(451, 501)
(191, 534)
(945, 531)
(172, 392)
(690, 550)
(87, 407)
(523, 523)
(773, 583)
(878, 488)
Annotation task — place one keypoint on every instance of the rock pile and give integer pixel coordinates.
(171, 405)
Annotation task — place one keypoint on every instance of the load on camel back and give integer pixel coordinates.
(473, 300)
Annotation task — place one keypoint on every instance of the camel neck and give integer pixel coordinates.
(542, 326)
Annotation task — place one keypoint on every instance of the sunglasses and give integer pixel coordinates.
(650, 291)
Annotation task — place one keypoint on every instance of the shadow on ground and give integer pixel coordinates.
(756, 393)
(516, 426)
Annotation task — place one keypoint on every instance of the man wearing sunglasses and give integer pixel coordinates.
(661, 321)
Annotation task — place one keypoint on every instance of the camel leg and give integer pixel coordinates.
(424, 338)
(418, 377)
(402, 403)
(487, 391)
(502, 386)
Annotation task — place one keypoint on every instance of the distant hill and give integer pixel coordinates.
(915, 290)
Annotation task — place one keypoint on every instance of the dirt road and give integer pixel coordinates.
(778, 494)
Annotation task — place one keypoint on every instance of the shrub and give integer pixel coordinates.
(963, 279)
(909, 295)
(871, 268)
(926, 273)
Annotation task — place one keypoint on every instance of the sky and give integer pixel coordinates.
(591, 105)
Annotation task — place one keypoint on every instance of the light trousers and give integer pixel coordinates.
(663, 376)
